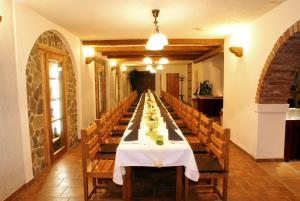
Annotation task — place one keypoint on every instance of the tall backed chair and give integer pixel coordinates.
(214, 165)
(93, 166)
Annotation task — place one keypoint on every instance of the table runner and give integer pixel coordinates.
(136, 121)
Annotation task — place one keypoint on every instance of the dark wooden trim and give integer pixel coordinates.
(19, 190)
(208, 42)
(177, 48)
(270, 160)
(210, 54)
(140, 57)
(156, 53)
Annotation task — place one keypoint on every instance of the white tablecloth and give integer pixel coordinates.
(145, 152)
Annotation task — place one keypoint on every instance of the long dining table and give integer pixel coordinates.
(137, 149)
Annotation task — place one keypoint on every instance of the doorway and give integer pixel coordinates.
(55, 104)
(100, 86)
(173, 84)
(145, 81)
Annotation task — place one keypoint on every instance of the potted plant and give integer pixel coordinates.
(205, 88)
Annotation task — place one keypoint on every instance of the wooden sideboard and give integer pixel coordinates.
(211, 106)
(292, 140)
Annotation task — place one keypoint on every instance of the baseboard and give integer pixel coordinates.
(257, 160)
(270, 160)
(23, 187)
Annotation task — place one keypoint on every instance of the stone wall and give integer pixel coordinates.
(35, 99)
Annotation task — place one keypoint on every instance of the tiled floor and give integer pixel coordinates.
(248, 181)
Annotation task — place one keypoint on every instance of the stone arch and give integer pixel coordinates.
(34, 86)
(280, 68)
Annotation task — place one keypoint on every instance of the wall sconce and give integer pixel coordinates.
(113, 64)
(89, 54)
(0, 18)
(237, 51)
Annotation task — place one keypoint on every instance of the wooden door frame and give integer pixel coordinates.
(99, 67)
(61, 56)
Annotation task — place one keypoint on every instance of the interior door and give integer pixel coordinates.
(173, 84)
(56, 104)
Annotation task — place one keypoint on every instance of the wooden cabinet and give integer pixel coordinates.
(211, 106)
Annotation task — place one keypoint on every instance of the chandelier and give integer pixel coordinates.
(150, 63)
(157, 40)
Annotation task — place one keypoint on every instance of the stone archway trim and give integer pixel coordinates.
(280, 68)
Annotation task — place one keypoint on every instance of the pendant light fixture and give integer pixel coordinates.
(157, 40)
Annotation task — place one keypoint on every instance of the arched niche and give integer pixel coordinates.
(49, 41)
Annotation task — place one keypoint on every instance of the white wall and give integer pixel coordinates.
(211, 69)
(20, 29)
(241, 77)
(12, 174)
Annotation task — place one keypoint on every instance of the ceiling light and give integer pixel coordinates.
(157, 41)
(147, 60)
(124, 68)
(159, 67)
(153, 71)
(113, 63)
(88, 51)
(149, 67)
(163, 60)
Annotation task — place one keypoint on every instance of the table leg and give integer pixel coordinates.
(178, 183)
(127, 185)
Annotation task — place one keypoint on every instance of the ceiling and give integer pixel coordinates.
(119, 28)
(132, 19)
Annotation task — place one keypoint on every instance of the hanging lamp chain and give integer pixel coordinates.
(155, 14)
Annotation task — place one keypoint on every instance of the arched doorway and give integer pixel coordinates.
(49, 46)
(278, 74)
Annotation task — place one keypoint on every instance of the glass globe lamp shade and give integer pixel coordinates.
(149, 67)
(159, 67)
(147, 60)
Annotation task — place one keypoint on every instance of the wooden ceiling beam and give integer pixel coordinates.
(142, 49)
(156, 53)
(140, 58)
(142, 42)
(210, 54)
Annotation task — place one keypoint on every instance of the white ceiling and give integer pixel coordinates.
(132, 19)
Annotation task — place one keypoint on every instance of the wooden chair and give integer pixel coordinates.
(214, 165)
(93, 167)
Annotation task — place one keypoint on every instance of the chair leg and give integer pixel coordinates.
(186, 190)
(85, 189)
(225, 186)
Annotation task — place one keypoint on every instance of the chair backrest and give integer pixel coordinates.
(90, 143)
(195, 121)
(219, 144)
(204, 129)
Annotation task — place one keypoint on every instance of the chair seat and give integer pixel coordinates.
(131, 109)
(198, 148)
(108, 148)
(185, 130)
(208, 164)
(170, 109)
(117, 132)
(174, 115)
(124, 121)
(104, 168)
(128, 114)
